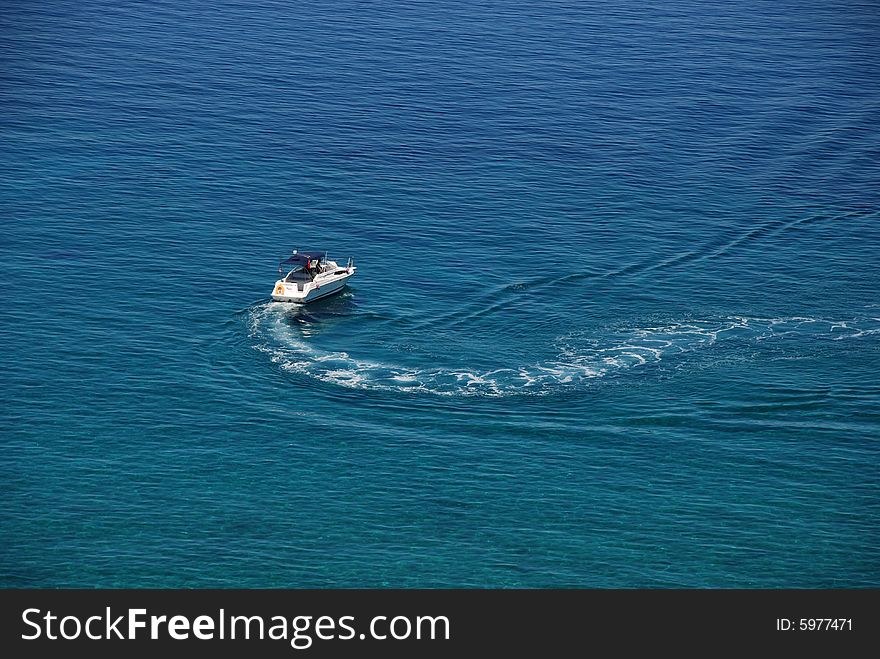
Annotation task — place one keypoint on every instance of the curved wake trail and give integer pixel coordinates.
(581, 358)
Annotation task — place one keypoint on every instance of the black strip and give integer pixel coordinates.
(481, 622)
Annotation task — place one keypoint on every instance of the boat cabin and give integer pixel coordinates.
(303, 266)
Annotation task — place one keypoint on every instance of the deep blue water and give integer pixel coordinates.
(616, 320)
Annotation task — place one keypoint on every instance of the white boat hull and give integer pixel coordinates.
(322, 286)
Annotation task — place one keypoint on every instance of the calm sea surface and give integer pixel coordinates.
(616, 321)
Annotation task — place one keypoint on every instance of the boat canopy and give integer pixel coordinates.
(302, 257)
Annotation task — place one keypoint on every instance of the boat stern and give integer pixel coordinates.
(288, 292)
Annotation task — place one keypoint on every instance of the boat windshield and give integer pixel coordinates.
(298, 275)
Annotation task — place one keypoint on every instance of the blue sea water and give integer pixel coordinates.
(615, 324)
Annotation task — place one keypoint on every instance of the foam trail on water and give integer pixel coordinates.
(581, 357)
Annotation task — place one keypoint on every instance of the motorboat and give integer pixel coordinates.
(310, 276)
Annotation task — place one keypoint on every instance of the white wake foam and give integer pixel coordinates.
(581, 358)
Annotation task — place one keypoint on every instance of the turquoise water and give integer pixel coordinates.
(616, 320)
